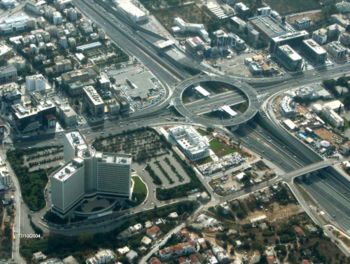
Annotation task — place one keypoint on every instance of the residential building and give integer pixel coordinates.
(8, 74)
(102, 257)
(320, 36)
(337, 50)
(303, 23)
(10, 93)
(35, 83)
(177, 250)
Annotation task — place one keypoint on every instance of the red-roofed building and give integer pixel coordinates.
(153, 232)
(299, 231)
(271, 259)
(194, 259)
(154, 260)
(180, 249)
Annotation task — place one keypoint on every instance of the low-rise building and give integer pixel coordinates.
(287, 106)
(102, 257)
(8, 74)
(177, 250)
(303, 23)
(320, 36)
(332, 117)
(193, 145)
(337, 50)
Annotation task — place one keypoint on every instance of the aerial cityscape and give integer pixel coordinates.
(175, 131)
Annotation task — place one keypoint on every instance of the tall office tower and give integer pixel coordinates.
(88, 173)
(74, 145)
(113, 174)
(67, 186)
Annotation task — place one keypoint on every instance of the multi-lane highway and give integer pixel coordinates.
(265, 138)
(331, 191)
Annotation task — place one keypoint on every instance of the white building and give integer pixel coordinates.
(332, 117)
(287, 106)
(14, 23)
(193, 145)
(337, 50)
(88, 173)
(35, 83)
(67, 186)
(184, 27)
(320, 36)
(74, 146)
(102, 257)
(132, 11)
(4, 174)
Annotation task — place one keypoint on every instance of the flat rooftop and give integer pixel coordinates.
(94, 97)
(268, 26)
(314, 46)
(68, 170)
(292, 54)
(114, 158)
(76, 139)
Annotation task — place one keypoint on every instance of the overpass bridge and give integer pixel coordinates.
(207, 105)
(289, 177)
(245, 91)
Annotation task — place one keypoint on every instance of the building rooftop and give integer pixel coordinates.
(68, 170)
(291, 35)
(292, 54)
(94, 97)
(268, 26)
(314, 46)
(129, 7)
(78, 142)
(22, 111)
(114, 158)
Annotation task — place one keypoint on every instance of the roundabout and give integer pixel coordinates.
(249, 93)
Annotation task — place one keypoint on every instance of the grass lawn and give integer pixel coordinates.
(219, 148)
(204, 160)
(140, 190)
(203, 132)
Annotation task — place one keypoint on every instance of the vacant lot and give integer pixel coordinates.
(189, 13)
(220, 148)
(288, 6)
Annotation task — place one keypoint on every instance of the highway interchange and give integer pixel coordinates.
(261, 134)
